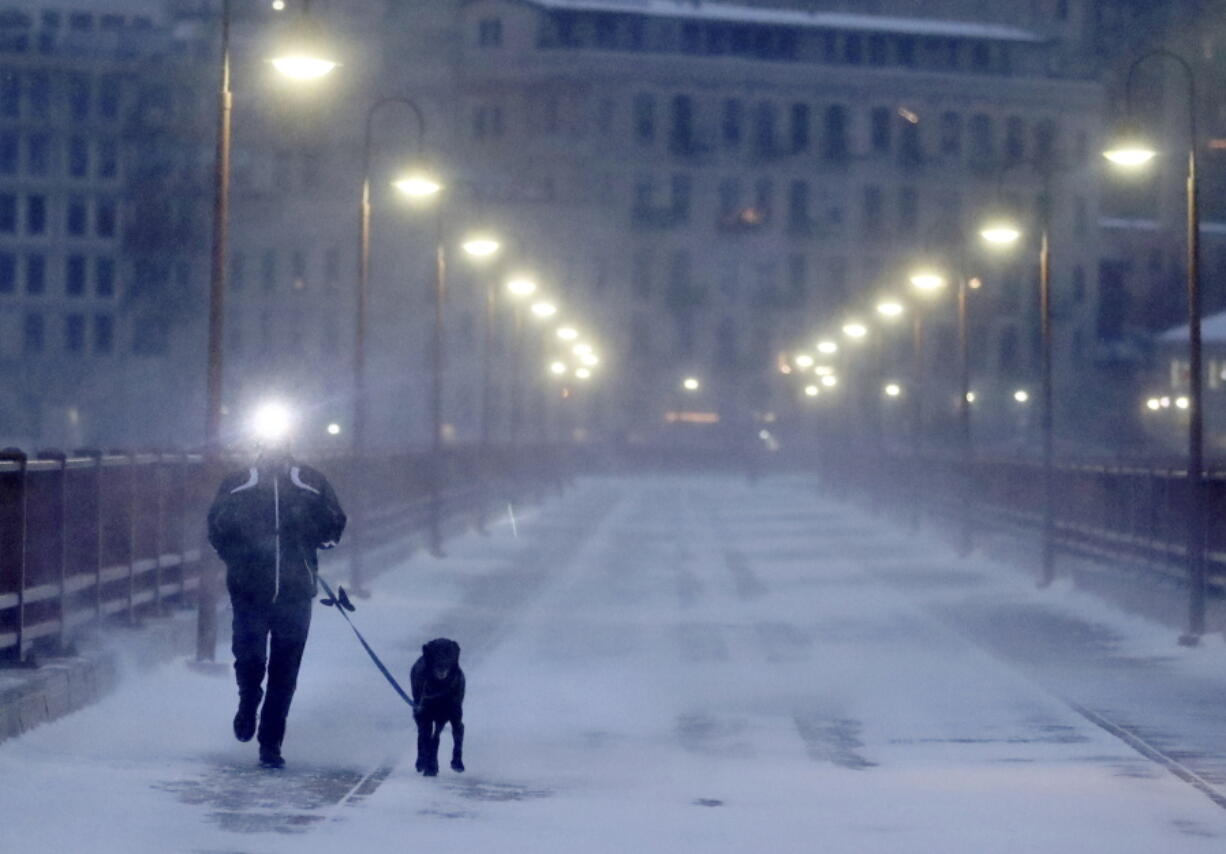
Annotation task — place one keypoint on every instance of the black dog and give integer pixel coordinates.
(438, 699)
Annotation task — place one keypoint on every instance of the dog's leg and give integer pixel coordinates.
(436, 727)
(424, 727)
(457, 743)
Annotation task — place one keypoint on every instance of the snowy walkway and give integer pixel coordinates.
(674, 665)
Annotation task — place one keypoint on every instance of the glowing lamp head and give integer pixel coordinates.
(589, 359)
(302, 66)
(557, 368)
(812, 391)
(334, 429)
(481, 247)
(1021, 395)
(1129, 148)
(690, 384)
(521, 287)
(803, 360)
(271, 423)
(544, 309)
(827, 347)
(893, 390)
(830, 381)
(583, 373)
(582, 350)
(418, 186)
(970, 397)
(1153, 404)
(855, 330)
(890, 309)
(1000, 233)
(568, 333)
(927, 280)
(1182, 403)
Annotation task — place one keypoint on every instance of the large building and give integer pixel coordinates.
(701, 186)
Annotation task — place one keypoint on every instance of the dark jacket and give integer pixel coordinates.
(266, 523)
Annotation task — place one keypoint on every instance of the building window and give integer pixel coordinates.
(36, 275)
(880, 119)
(640, 275)
(981, 137)
(104, 277)
(74, 333)
(104, 334)
(682, 191)
(74, 276)
(730, 127)
(981, 56)
(10, 93)
(606, 31)
(764, 128)
(78, 157)
(877, 50)
(906, 51)
(38, 154)
(873, 206)
(8, 272)
(108, 158)
(76, 217)
(908, 210)
(681, 135)
(1015, 145)
(800, 127)
(835, 147)
(910, 151)
(1044, 139)
(104, 218)
(951, 134)
(108, 96)
(33, 332)
(798, 207)
(78, 96)
(853, 49)
(36, 214)
(268, 270)
(8, 213)
(489, 32)
(764, 194)
(645, 117)
(39, 83)
(8, 152)
(729, 200)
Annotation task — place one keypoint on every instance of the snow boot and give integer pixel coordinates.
(244, 718)
(270, 757)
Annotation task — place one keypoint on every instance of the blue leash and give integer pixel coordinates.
(343, 605)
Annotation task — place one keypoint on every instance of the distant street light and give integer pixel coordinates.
(855, 330)
(481, 247)
(1000, 233)
(893, 390)
(418, 186)
(583, 373)
(890, 309)
(544, 309)
(812, 390)
(567, 333)
(1133, 151)
(827, 348)
(1021, 395)
(830, 381)
(557, 368)
(690, 384)
(803, 360)
(927, 280)
(334, 429)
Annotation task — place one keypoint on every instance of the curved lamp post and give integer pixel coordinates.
(206, 623)
(1134, 151)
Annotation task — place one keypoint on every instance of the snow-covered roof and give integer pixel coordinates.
(1212, 329)
(698, 9)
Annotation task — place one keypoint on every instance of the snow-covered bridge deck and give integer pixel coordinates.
(676, 664)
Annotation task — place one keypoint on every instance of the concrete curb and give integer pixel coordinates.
(60, 686)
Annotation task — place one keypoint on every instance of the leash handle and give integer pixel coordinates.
(379, 664)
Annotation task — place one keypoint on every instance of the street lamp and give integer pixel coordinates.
(416, 187)
(206, 635)
(543, 310)
(690, 384)
(1134, 152)
(855, 330)
(481, 246)
(890, 309)
(827, 348)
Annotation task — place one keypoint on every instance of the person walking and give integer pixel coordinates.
(266, 524)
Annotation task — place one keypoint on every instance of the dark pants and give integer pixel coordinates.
(430, 721)
(270, 637)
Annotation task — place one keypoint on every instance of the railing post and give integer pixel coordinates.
(13, 552)
(60, 535)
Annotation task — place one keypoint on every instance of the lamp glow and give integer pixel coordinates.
(1153, 404)
(855, 330)
(300, 66)
(1021, 395)
(521, 287)
(827, 347)
(927, 280)
(334, 429)
(970, 397)
(417, 186)
(893, 390)
(830, 381)
(567, 333)
(583, 373)
(1000, 233)
(481, 247)
(1182, 403)
(557, 368)
(812, 390)
(890, 309)
(804, 360)
(582, 350)
(690, 384)
(823, 370)
(1130, 153)
(589, 359)
(544, 309)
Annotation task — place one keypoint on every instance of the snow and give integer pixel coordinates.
(1212, 329)
(692, 10)
(664, 664)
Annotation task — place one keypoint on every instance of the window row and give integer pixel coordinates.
(34, 275)
(760, 41)
(77, 216)
(268, 267)
(83, 157)
(40, 94)
(100, 339)
(283, 331)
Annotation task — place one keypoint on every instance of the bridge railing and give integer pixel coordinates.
(91, 536)
(1128, 510)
